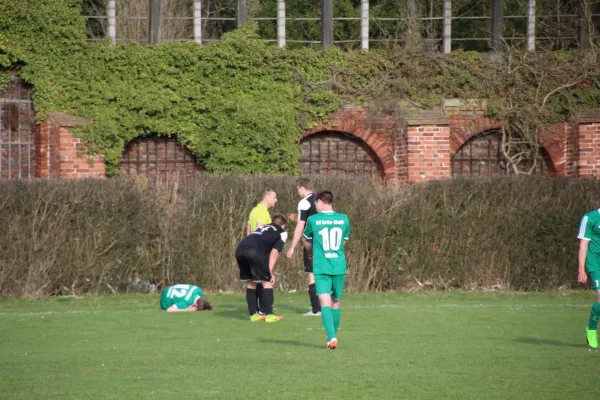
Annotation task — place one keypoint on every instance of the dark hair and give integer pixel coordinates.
(303, 182)
(279, 219)
(201, 304)
(265, 192)
(325, 196)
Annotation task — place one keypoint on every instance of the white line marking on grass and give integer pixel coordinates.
(447, 305)
(34, 313)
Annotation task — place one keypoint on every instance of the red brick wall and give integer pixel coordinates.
(589, 150)
(61, 155)
(428, 152)
(380, 133)
(74, 161)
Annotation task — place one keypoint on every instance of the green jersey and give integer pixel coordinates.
(181, 296)
(589, 229)
(328, 231)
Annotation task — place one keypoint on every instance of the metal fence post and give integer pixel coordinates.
(530, 25)
(281, 23)
(111, 11)
(198, 21)
(364, 25)
(447, 26)
(326, 23)
(583, 28)
(497, 27)
(154, 21)
(241, 16)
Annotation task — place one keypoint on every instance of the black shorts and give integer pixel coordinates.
(308, 261)
(253, 265)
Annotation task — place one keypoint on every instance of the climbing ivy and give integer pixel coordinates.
(239, 105)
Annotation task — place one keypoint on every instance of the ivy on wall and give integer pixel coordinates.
(238, 105)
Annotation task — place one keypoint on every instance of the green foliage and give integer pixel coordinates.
(240, 105)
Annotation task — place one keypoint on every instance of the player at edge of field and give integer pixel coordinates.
(183, 297)
(256, 256)
(329, 231)
(306, 208)
(589, 259)
(260, 216)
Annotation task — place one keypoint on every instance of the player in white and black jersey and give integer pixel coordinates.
(256, 256)
(306, 208)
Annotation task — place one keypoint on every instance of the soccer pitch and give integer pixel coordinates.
(392, 346)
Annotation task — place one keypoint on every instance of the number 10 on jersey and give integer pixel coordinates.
(331, 238)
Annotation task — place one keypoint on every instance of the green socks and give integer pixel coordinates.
(336, 318)
(594, 316)
(327, 319)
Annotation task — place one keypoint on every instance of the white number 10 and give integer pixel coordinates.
(332, 238)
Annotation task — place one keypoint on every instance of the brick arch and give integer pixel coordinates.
(374, 141)
(159, 159)
(552, 139)
(464, 128)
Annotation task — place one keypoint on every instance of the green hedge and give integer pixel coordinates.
(73, 237)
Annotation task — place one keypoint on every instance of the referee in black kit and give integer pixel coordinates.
(256, 256)
(306, 208)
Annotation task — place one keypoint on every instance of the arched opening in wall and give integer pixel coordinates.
(331, 153)
(482, 156)
(17, 130)
(161, 160)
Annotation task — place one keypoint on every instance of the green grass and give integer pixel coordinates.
(399, 345)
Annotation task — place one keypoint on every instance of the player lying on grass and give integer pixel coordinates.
(183, 298)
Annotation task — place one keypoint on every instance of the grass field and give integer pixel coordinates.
(392, 346)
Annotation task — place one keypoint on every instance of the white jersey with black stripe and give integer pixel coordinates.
(306, 207)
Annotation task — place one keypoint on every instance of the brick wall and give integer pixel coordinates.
(428, 152)
(380, 133)
(589, 150)
(62, 155)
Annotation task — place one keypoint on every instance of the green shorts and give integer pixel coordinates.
(595, 278)
(330, 284)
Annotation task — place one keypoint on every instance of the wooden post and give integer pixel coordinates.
(326, 23)
(111, 11)
(447, 26)
(198, 21)
(281, 23)
(154, 21)
(497, 25)
(530, 25)
(241, 16)
(364, 25)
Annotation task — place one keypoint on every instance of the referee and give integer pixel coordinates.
(256, 256)
(306, 208)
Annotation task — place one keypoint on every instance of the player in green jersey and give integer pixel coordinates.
(328, 230)
(589, 259)
(183, 298)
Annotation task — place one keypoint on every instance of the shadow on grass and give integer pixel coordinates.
(288, 342)
(548, 342)
(288, 307)
(234, 313)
